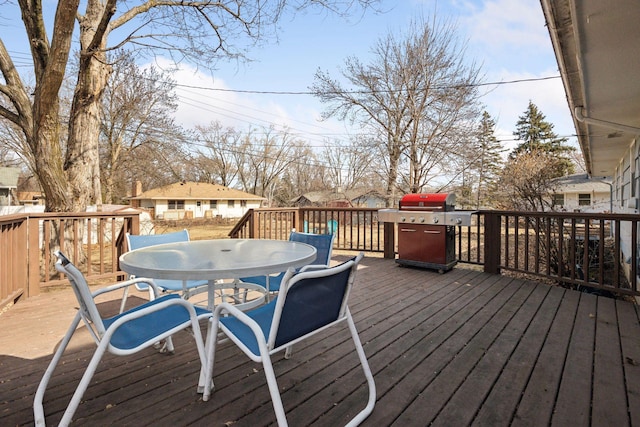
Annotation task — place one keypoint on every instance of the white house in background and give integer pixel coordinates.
(8, 185)
(579, 193)
(185, 200)
(597, 47)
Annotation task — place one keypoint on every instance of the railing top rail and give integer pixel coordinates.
(313, 208)
(569, 215)
(44, 215)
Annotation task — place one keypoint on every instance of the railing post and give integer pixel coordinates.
(492, 242)
(297, 219)
(390, 240)
(33, 257)
(254, 224)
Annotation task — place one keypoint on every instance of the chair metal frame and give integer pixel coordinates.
(323, 244)
(278, 325)
(123, 334)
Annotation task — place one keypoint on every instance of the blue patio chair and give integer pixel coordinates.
(323, 244)
(123, 334)
(188, 288)
(307, 303)
(332, 226)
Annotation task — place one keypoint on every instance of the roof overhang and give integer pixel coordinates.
(597, 46)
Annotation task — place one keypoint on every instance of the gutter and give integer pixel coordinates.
(579, 115)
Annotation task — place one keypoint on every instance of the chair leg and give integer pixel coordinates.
(274, 391)
(205, 383)
(125, 295)
(38, 409)
(288, 352)
(67, 417)
(362, 415)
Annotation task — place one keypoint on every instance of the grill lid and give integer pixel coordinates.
(440, 200)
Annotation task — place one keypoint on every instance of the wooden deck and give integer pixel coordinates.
(462, 348)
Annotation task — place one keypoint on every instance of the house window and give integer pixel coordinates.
(584, 199)
(231, 204)
(213, 204)
(558, 200)
(243, 203)
(176, 204)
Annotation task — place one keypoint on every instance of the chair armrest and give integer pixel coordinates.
(232, 310)
(312, 267)
(155, 305)
(127, 283)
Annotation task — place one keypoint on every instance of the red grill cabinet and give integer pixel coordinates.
(424, 240)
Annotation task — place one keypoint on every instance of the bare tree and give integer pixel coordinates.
(348, 165)
(263, 159)
(137, 108)
(413, 96)
(215, 161)
(526, 182)
(305, 173)
(67, 162)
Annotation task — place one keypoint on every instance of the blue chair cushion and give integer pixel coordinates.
(144, 329)
(263, 316)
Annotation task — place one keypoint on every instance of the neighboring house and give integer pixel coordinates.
(8, 185)
(356, 198)
(194, 200)
(29, 192)
(579, 193)
(598, 52)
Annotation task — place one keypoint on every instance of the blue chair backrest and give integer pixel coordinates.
(142, 241)
(322, 242)
(313, 302)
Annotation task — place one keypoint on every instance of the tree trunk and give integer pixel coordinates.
(392, 177)
(50, 61)
(83, 162)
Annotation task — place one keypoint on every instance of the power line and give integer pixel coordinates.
(271, 92)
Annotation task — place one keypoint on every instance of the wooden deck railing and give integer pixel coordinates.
(580, 250)
(354, 228)
(94, 241)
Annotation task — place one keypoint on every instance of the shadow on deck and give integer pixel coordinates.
(460, 348)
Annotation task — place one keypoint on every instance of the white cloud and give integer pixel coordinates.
(204, 99)
(505, 25)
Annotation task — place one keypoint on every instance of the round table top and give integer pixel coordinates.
(216, 259)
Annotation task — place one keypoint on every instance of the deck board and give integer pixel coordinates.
(461, 348)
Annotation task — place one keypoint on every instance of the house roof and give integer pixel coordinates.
(9, 177)
(581, 183)
(332, 195)
(195, 191)
(597, 50)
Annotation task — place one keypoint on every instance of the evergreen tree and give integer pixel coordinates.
(537, 134)
(489, 162)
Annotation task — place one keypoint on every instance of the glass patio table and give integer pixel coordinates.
(219, 261)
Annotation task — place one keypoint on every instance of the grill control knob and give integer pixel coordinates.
(435, 220)
(421, 219)
(403, 219)
(458, 220)
(412, 219)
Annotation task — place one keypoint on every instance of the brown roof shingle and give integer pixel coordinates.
(196, 190)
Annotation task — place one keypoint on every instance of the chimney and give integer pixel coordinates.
(136, 189)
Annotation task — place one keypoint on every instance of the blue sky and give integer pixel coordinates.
(508, 37)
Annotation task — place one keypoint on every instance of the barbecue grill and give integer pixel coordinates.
(426, 229)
